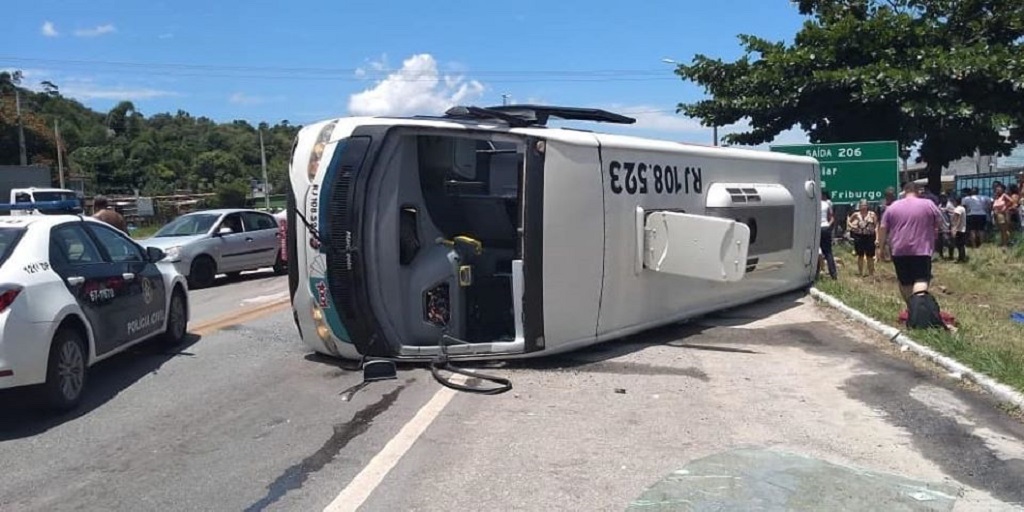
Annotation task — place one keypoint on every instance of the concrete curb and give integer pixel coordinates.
(1002, 392)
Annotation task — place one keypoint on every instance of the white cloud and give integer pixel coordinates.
(49, 29)
(98, 30)
(241, 98)
(165, 36)
(87, 91)
(417, 88)
(376, 66)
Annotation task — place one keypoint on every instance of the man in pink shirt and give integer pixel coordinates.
(911, 225)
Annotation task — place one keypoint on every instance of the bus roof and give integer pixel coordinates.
(567, 135)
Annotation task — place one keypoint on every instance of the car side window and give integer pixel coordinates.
(75, 245)
(118, 247)
(258, 221)
(233, 221)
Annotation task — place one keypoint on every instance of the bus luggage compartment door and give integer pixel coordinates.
(697, 246)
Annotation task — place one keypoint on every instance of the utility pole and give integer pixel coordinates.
(60, 157)
(21, 129)
(266, 183)
(715, 134)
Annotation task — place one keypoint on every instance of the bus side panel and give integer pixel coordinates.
(636, 299)
(573, 241)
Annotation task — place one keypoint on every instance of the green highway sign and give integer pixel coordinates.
(854, 170)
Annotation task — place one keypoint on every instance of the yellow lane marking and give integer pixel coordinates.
(239, 316)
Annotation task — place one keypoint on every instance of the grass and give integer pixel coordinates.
(981, 294)
(144, 232)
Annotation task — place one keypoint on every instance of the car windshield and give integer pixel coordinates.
(8, 240)
(44, 197)
(188, 225)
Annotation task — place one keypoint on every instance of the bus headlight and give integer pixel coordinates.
(318, 149)
(322, 330)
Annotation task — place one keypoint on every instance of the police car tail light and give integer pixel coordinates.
(7, 296)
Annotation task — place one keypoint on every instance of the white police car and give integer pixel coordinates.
(74, 291)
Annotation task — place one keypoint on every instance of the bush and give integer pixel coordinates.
(231, 195)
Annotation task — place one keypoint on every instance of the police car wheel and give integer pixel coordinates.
(202, 273)
(177, 320)
(66, 371)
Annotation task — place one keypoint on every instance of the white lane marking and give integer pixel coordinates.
(265, 298)
(359, 489)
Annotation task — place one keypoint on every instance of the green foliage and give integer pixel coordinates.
(122, 150)
(231, 194)
(947, 74)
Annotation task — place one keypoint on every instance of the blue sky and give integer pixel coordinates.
(304, 61)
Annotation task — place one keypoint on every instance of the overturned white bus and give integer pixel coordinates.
(485, 234)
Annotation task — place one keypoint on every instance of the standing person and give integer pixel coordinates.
(944, 239)
(958, 229)
(862, 224)
(890, 197)
(912, 223)
(975, 208)
(827, 221)
(1001, 205)
(103, 211)
(1016, 220)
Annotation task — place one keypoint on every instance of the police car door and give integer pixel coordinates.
(143, 283)
(95, 283)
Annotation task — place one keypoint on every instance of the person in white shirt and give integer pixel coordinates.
(977, 215)
(827, 221)
(958, 229)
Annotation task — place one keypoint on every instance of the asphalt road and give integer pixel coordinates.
(226, 295)
(244, 418)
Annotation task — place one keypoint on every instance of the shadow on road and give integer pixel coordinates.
(598, 358)
(255, 275)
(24, 417)
(673, 335)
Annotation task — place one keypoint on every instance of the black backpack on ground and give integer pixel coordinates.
(923, 312)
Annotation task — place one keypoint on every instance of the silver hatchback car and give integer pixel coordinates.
(228, 241)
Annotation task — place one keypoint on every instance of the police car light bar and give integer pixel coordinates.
(67, 204)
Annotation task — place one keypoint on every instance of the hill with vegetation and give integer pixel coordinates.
(122, 150)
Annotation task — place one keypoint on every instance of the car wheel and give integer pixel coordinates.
(280, 266)
(177, 319)
(66, 371)
(202, 273)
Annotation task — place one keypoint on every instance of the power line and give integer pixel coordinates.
(226, 67)
(344, 74)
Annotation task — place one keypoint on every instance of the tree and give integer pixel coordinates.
(50, 88)
(231, 194)
(946, 75)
